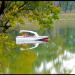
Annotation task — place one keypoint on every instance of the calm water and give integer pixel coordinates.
(56, 56)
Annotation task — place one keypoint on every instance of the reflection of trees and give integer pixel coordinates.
(50, 57)
(53, 53)
(12, 60)
(49, 52)
(55, 66)
(66, 5)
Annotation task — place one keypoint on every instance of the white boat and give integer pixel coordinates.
(33, 39)
(36, 39)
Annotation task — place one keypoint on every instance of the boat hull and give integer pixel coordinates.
(30, 40)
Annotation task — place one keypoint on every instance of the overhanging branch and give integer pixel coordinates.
(2, 7)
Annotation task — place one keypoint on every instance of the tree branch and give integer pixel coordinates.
(2, 7)
(5, 27)
(23, 5)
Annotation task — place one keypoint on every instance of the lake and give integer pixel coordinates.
(57, 56)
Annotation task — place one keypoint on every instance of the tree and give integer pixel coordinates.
(14, 12)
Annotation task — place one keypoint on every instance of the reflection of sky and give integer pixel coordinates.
(56, 3)
(67, 62)
(70, 63)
